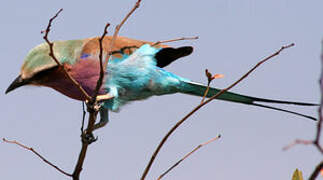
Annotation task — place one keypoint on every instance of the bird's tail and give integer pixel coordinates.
(199, 90)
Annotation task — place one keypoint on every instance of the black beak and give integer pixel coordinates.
(16, 84)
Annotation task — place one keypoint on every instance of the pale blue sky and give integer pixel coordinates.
(234, 35)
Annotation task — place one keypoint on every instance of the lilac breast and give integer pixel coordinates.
(86, 72)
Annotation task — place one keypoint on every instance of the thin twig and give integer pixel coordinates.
(116, 31)
(52, 55)
(187, 155)
(79, 165)
(37, 154)
(204, 103)
(296, 142)
(206, 91)
(316, 141)
(177, 39)
(99, 82)
(93, 103)
(316, 171)
(210, 78)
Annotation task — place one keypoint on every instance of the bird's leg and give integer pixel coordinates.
(104, 118)
(104, 112)
(88, 137)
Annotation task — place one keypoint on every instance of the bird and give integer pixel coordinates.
(135, 71)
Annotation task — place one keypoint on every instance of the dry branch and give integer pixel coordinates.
(177, 39)
(316, 141)
(210, 78)
(92, 107)
(52, 55)
(99, 82)
(37, 154)
(93, 103)
(316, 171)
(187, 155)
(116, 31)
(162, 142)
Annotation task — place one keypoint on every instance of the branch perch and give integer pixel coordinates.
(93, 103)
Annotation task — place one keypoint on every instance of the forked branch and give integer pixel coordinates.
(116, 31)
(93, 103)
(60, 65)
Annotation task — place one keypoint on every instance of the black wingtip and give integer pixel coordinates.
(167, 55)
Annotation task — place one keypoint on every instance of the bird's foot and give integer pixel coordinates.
(93, 108)
(88, 138)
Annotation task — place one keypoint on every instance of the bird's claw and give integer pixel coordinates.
(88, 138)
(96, 107)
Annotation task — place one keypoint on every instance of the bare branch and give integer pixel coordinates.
(210, 78)
(316, 141)
(187, 155)
(93, 103)
(37, 154)
(79, 165)
(99, 82)
(204, 103)
(316, 171)
(173, 40)
(116, 31)
(296, 142)
(52, 55)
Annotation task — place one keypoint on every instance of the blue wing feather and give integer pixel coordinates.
(137, 77)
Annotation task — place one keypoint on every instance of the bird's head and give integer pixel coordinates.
(38, 64)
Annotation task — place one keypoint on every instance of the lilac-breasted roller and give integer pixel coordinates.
(134, 72)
